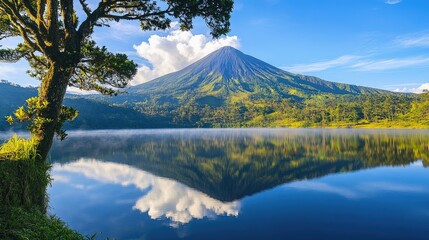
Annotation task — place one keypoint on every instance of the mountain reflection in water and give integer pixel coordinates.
(229, 164)
(189, 183)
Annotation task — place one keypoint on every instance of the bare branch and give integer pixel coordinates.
(85, 7)
(86, 28)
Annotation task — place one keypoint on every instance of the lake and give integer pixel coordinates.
(243, 183)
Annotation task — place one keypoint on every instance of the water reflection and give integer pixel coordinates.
(118, 182)
(162, 197)
(228, 165)
(364, 190)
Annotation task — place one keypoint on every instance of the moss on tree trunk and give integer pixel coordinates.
(52, 90)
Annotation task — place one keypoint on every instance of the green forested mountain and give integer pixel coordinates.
(228, 88)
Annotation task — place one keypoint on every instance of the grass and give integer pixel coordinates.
(20, 224)
(23, 184)
(17, 148)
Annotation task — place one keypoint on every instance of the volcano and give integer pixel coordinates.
(229, 72)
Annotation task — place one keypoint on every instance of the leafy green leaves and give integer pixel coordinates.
(100, 69)
(215, 13)
(10, 55)
(32, 111)
(6, 28)
(66, 114)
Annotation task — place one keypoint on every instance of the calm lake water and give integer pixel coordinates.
(243, 184)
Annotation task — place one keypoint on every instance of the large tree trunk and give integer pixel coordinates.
(52, 90)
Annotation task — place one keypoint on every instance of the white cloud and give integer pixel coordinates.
(392, 2)
(16, 73)
(77, 91)
(126, 28)
(360, 63)
(6, 69)
(420, 41)
(402, 84)
(424, 86)
(323, 65)
(171, 53)
(163, 197)
(388, 64)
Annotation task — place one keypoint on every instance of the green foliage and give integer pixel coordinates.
(240, 110)
(66, 114)
(17, 148)
(20, 224)
(99, 67)
(321, 110)
(31, 114)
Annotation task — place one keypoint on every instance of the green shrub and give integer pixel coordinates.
(17, 148)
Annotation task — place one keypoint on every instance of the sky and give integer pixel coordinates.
(376, 43)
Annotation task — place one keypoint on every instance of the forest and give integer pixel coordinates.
(321, 110)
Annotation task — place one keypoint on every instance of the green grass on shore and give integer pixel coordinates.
(20, 224)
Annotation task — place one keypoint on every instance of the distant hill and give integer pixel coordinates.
(92, 114)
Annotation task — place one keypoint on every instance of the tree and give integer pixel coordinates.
(61, 52)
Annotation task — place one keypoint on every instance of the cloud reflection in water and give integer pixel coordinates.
(164, 197)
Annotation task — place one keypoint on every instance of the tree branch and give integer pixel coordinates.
(29, 10)
(87, 26)
(26, 38)
(53, 24)
(85, 7)
(25, 26)
(67, 13)
(10, 55)
(41, 7)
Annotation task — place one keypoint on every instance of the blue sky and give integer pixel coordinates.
(376, 43)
